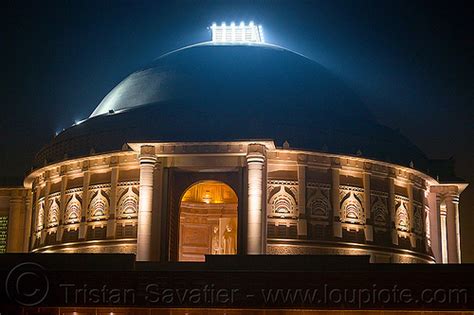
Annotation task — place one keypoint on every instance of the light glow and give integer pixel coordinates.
(78, 121)
(237, 33)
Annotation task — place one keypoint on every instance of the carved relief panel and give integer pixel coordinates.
(127, 205)
(40, 215)
(402, 219)
(418, 218)
(351, 204)
(99, 202)
(318, 202)
(379, 208)
(282, 200)
(53, 212)
(73, 211)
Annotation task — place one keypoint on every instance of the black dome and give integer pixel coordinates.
(212, 92)
(234, 77)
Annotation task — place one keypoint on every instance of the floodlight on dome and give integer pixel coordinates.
(237, 33)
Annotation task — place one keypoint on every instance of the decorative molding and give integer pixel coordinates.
(128, 183)
(276, 182)
(71, 191)
(400, 197)
(99, 186)
(54, 195)
(351, 188)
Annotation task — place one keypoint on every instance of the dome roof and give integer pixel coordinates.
(215, 92)
(234, 77)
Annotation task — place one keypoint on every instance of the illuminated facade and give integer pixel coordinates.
(159, 169)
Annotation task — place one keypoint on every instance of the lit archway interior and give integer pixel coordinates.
(207, 221)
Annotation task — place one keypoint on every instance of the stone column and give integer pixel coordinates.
(337, 226)
(426, 219)
(62, 208)
(368, 228)
(27, 221)
(157, 211)
(145, 216)
(452, 218)
(443, 232)
(85, 204)
(16, 229)
(111, 226)
(391, 207)
(302, 223)
(436, 216)
(255, 164)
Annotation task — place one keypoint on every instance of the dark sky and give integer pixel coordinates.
(411, 62)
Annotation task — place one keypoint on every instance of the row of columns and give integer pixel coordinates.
(18, 221)
(449, 212)
(256, 218)
(256, 199)
(450, 216)
(443, 201)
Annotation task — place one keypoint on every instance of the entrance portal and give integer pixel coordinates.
(207, 221)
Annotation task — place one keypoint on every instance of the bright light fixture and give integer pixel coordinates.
(237, 33)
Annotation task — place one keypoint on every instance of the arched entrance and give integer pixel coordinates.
(207, 221)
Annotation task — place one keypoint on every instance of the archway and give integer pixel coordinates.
(207, 221)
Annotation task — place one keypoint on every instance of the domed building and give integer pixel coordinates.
(235, 146)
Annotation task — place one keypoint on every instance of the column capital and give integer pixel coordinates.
(336, 163)
(255, 153)
(454, 198)
(147, 154)
(16, 199)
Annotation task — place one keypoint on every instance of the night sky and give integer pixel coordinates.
(411, 62)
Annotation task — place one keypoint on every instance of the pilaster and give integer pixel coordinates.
(145, 213)
(85, 203)
(111, 225)
(335, 183)
(368, 229)
(411, 215)
(391, 206)
(62, 208)
(452, 216)
(302, 223)
(255, 217)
